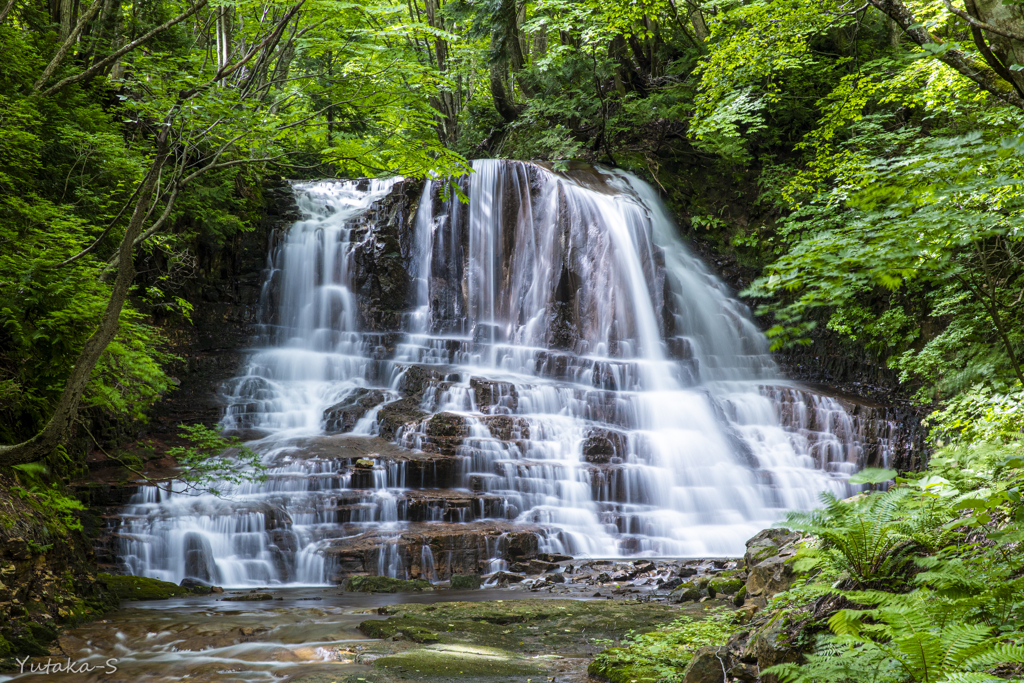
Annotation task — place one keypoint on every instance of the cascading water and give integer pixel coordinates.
(565, 366)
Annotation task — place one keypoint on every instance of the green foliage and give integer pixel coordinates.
(977, 416)
(211, 460)
(49, 498)
(931, 571)
(662, 655)
(945, 217)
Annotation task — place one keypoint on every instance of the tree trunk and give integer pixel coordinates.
(979, 72)
(59, 427)
(68, 12)
(502, 101)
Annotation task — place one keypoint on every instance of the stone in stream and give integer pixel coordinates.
(141, 587)
(383, 584)
(503, 579)
(465, 582)
(197, 587)
(249, 597)
(494, 397)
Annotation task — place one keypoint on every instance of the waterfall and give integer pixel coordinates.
(565, 371)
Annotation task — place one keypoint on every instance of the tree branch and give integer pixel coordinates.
(111, 58)
(981, 24)
(7, 10)
(71, 40)
(58, 428)
(980, 73)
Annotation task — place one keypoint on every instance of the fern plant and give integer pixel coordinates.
(870, 540)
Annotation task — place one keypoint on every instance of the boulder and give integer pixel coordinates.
(502, 579)
(600, 445)
(772, 645)
(384, 584)
(687, 592)
(727, 585)
(709, 665)
(249, 597)
(771, 576)
(141, 588)
(767, 543)
(553, 557)
(540, 567)
(343, 416)
(196, 586)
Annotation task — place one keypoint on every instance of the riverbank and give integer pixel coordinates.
(546, 624)
(317, 635)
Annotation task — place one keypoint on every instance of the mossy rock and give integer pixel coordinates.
(26, 637)
(686, 592)
(404, 628)
(725, 586)
(142, 588)
(465, 582)
(249, 597)
(384, 584)
(450, 661)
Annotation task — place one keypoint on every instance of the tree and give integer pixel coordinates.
(186, 116)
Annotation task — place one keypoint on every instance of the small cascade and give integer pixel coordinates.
(546, 369)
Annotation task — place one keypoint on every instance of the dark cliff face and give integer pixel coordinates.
(381, 258)
(231, 298)
(225, 295)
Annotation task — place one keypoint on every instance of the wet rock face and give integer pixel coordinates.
(455, 548)
(342, 417)
(381, 275)
(601, 445)
(398, 415)
(492, 397)
(885, 435)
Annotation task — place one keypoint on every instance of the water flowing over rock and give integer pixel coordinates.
(446, 388)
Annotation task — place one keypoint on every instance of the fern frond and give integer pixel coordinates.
(963, 641)
(1001, 653)
(971, 677)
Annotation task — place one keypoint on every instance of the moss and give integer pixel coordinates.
(663, 654)
(525, 626)
(383, 584)
(614, 670)
(459, 660)
(726, 586)
(403, 628)
(142, 588)
(462, 582)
